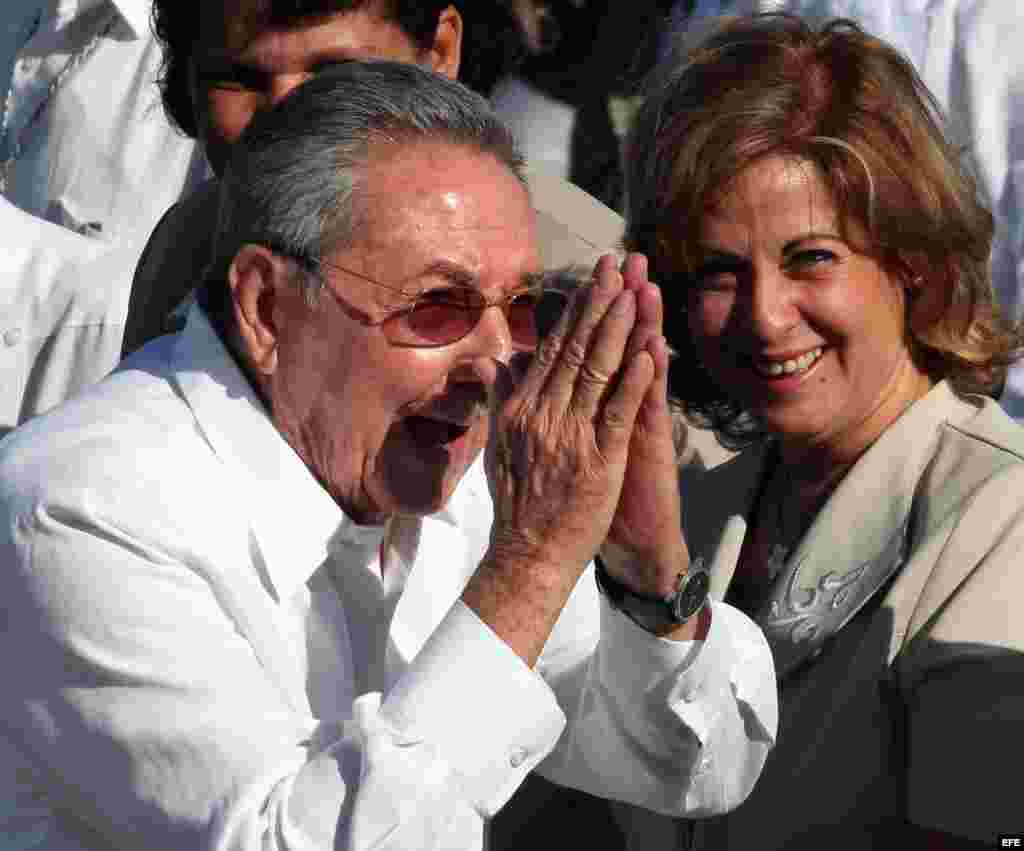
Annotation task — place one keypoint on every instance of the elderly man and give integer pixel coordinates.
(228, 60)
(258, 590)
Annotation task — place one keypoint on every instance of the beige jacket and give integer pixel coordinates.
(898, 632)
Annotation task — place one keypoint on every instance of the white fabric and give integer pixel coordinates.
(200, 650)
(542, 124)
(969, 54)
(102, 159)
(63, 302)
(902, 23)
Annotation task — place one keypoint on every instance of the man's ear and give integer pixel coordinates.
(445, 54)
(255, 278)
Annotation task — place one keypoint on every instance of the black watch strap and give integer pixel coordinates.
(656, 614)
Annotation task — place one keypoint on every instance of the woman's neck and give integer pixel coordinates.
(814, 467)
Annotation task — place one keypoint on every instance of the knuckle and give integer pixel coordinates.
(547, 351)
(615, 417)
(574, 354)
(592, 375)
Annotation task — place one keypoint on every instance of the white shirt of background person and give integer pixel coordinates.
(62, 312)
(84, 141)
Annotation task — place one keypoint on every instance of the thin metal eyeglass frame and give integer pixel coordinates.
(354, 313)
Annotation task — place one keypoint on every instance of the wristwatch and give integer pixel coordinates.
(656, 614)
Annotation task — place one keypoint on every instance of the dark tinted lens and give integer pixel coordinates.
(522, 320)
(443, 317)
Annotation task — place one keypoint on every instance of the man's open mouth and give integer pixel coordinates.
(430, 433)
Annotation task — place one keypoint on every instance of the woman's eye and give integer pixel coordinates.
(810, 259)
(716, 276)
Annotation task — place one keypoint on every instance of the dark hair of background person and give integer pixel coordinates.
(492, 40)
(852, 107)
(591, 51)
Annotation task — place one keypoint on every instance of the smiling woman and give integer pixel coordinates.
(851, 114)
(824, 265)
(805, 330)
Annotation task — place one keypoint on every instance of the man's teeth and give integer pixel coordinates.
(788, 367)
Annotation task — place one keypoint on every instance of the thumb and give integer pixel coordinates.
(506, 380)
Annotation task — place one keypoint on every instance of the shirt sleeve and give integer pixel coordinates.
(678, 727)
(136, 714)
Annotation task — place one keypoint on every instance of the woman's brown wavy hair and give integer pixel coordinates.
(854, 108)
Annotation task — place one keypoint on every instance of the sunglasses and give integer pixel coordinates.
(445, 315)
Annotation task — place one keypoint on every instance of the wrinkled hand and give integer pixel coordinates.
(561, 432)
(647, 549)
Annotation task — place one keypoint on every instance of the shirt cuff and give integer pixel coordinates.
(685, 726)
(638, 662)
(488, 714)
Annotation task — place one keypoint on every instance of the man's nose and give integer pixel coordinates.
(488, 348)
(281, 85)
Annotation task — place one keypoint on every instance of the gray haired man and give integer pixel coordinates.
(259, 590)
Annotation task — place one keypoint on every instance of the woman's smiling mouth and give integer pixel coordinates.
(784, 367)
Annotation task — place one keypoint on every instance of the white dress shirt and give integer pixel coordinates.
(202, 651)
(96, 155)
(63, 302)
(968, 52)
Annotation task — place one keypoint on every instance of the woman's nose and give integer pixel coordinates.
(770, 307)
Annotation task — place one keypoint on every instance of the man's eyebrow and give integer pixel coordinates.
(221, 57)
(455, 273)
(459, 276)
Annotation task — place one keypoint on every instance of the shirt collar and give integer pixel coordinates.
(135, 13)
(294, 520)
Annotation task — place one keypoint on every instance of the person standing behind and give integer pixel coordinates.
(83, 142)
(229, 60)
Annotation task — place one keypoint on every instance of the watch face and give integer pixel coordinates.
(691, 596)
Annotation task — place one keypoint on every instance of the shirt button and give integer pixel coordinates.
(517, 757)
(12, 337)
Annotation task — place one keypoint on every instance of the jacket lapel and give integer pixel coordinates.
(716, 503)
(855, 545)
(857, 542)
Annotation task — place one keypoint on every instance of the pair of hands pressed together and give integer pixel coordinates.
(581, 452)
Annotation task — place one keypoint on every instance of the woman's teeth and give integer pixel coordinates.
(775, 368)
